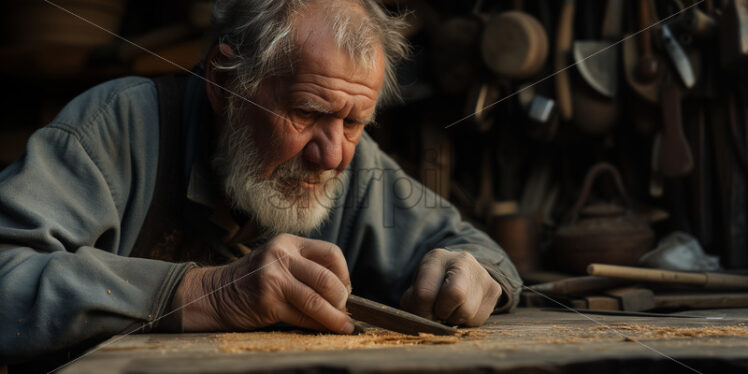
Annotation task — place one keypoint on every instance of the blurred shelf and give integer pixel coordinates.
(84, 65)
(54, 63)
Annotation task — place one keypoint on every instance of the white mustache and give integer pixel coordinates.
(293, 172)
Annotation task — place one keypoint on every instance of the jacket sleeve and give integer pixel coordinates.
(70, 210)
(391, 221)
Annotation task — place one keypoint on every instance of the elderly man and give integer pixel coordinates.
(135, 205)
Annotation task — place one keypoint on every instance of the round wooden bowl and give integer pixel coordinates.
(514, 44)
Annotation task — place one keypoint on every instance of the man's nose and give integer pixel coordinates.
(325, 149)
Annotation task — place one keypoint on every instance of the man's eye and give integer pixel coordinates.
(351, 122)
(304, 113)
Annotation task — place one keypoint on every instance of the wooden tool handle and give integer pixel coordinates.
(645, 38)
(708, 280)
(563, 46)
(646, 275)
(648, 66)
(613, 20)
(726, 281)
(393, 319)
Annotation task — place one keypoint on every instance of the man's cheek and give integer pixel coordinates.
(349, 150)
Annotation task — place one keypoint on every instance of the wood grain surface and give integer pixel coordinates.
(529, 339)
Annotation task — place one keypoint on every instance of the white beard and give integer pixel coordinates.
(279, 204)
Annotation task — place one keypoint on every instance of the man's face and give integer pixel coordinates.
(299, 151)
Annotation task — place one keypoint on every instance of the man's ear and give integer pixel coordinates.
(215, 79)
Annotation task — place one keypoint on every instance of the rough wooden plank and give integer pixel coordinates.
(528, 339)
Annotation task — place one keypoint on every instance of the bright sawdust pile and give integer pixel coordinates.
(307, 341)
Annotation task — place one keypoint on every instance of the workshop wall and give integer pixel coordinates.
(507, 105)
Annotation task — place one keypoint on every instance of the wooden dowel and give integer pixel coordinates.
(708, 280)
(646, 275)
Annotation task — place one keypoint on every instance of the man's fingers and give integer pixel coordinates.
(481, 302)
(311, 304)
(454, 294)
(466, 312)
(319, 279)
(291, 315)
(328, 255)
(486, 308)
(425, 288)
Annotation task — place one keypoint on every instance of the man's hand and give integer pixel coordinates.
(452, 287)
(299, 281)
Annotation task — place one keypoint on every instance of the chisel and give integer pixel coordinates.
(394, 319)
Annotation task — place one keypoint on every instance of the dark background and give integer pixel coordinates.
(515, 177)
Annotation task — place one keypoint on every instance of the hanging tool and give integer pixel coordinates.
(734, 35)
(676, 158)
(597, 61)
(678, 57)
(642, 68)
(564, 37)
(647, 66)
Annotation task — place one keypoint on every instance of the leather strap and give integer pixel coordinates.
(161, 233)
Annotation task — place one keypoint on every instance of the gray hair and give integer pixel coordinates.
(261, 33)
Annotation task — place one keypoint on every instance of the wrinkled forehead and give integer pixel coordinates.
(321, 49)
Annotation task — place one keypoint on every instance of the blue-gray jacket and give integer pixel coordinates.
(72, 207)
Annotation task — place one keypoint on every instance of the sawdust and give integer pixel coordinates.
(306, 341)
(616, 332)
(654, 332)
(513, 337)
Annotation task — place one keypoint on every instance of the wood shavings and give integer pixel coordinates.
(654, 332)
(305, 341)
(626, 332)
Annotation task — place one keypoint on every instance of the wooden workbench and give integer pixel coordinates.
(529, 339)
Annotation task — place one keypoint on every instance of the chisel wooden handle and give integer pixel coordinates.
(707, 280)
(394, 319)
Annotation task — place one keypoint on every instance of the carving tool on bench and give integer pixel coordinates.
(394, 319)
